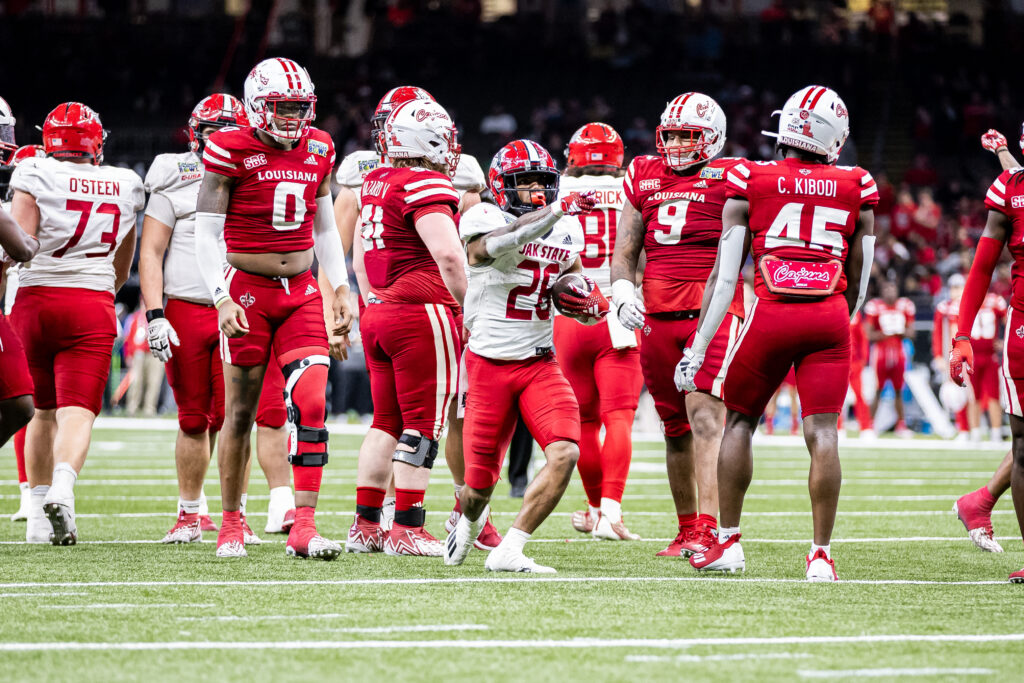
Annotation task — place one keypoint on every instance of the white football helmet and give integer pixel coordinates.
(7, 120)
(698, 117)
(814, 119)
(422, 129)
(271, 84)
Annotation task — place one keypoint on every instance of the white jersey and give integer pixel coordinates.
(10, 275)
(86, 211)
(598, 225)
(173, 182)
(508, 308)
(353, 168)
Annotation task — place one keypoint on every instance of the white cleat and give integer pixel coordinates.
(460, 539)
(605, 530)
(231, 549)
(821, 568)
(185, 530)
(62, 519)
(503, 561)
(26, 502)
(867, 435)
(982, 538)
(277, 517)
(38, 529)
(249, 537)
(722, 557)
(387, 515)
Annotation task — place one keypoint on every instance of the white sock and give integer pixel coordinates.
(39, 493)
(23, 486)
(458, 491)
(593, 511)
(612, 509)
(976, 434)
(816, 548)
(514, 541)
(282, 496)
(241, 505)
(63, 483)
(997, 433)
(204, 508)
(191, 507)
(725, 532)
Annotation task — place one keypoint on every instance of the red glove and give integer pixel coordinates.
(993, 140)
(960, 357)
(584, 305)
(578, 202)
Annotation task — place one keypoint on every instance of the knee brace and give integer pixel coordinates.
(423, 451)
(307, 398)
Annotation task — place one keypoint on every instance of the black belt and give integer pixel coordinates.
(676, 315)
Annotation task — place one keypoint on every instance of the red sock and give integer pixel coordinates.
(617, 452)
(986, 499)
(689, 519)
(231, 518)
(369, 496)
(458, 505)
(707, 520)
(307, 478)
(589, 464)
(961, 421)
(409, 507)
(19, 454)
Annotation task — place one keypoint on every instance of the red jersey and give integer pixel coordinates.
(682, 217)
(986, 324)
(1006, 195)
(398, 264)
(273, 200)
(893, 322)
(803, 212)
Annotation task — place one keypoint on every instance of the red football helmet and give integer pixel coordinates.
(218, 111)
(513, 161)
(73, 130)
(595, 144)
(392, 98)
(7, 167)
(7, 144)
(26, 152)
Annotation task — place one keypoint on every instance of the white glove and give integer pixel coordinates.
(161, 336)
(628, 309)
(687, 369)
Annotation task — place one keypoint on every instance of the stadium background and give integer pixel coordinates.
(922, 80)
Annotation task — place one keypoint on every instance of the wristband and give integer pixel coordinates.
(154, 313)
(220, 302)
(962, 337)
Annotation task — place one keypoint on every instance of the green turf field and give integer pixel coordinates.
(917, 601)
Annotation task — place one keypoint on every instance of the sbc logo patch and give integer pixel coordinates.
(255, 161)
(316, 147)
(648, 185)
(1017, 201)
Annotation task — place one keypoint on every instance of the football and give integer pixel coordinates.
(563, 285)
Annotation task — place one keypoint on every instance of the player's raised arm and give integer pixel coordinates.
(17, 244)
(527, 228)
(995, 142)
(331, 254)
(211, 214)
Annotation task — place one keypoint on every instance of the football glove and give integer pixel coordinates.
(628, 309)
(578, 202)
(161, 336)
(584, 305)
(686, 370)
(960, 358)
(993, 141)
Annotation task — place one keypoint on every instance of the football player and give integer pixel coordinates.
(601, 362)
(858, 358)
(974, 509)
(416, 279)
(193, 357)
(1005, 226)
(889, 320)
(673, 214)
(84, 215)
(267, 190)
(808, 224)
(516, 250)
(468, 182)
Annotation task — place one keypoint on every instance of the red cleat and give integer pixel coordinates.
(489, 537)
(821, 568)
(185, 530)
(206, 523)
(231, 541)
(408, 540)
(365, 537)
(690, 540)
(976, 517)
(305, 542)
(721, 557)
(289, 521)
(1017, 577)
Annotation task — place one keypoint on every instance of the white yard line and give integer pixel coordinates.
(696, 659)
(128, 605)
(738, 581)
(48, 594)
(264, 617)
(890, 673)
(572, 643)
(413, 628)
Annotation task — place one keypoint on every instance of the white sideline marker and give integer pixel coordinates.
(890, 673)
(571, 643)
